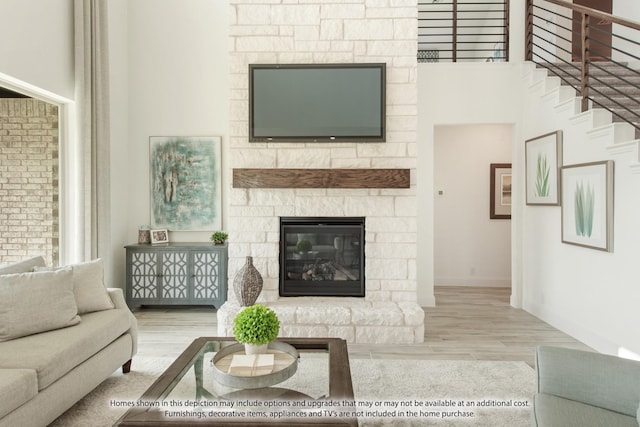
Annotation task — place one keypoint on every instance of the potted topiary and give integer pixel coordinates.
(255, 327)
(219, 237)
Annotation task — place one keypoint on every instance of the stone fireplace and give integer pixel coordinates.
(357, 31)
(322, 257)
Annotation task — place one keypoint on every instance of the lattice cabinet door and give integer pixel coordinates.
(174, 276)
(143, 276)
(206, 280)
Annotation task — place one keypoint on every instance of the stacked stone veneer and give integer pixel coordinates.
(28, 180)
(338, 31)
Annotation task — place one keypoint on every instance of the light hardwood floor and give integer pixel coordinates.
(468, 323)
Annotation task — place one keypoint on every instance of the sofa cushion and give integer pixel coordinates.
(36, 302)
(552, 411)
(17, 386)
(88, 286)
(23, 266)
(55, 353)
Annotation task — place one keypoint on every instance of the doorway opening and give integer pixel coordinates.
(470, 247)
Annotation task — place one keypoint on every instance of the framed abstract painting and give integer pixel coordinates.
(185, 183)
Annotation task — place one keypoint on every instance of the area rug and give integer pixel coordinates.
(392, 392)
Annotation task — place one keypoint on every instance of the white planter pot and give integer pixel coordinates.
(255, 349)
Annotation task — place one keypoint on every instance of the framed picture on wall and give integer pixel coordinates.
(543, 159)
(587, 205)
(500, 191)
(185, 183)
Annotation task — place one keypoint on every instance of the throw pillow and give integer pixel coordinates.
(23, 266)
(88, 286)
(31, 303)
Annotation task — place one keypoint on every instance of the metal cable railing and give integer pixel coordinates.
(463, 30)
(595, 52)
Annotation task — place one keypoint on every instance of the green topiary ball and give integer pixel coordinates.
(256, 325)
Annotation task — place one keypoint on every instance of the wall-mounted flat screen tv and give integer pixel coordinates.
(317, 102)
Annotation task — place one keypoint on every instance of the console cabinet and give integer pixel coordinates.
(177, 274)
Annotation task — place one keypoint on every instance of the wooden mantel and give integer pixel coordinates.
(321, 178)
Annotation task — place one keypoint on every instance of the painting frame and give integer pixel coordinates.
(185, 183)
(500, 191)
(587, 205)
(543, 160)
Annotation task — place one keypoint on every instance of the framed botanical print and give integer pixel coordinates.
(587, 205)
(543, 158)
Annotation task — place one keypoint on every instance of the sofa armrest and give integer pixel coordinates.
(596, 379)
(117, 296)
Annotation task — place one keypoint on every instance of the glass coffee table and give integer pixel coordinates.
(318, 391)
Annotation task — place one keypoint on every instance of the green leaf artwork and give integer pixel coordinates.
(542, 176)
(584, 207)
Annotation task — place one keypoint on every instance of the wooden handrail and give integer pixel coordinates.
(595, 13)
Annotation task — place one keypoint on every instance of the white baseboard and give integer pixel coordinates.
(485, 282)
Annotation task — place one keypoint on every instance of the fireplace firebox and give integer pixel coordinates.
(322, 256)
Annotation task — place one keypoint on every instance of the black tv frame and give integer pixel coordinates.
(305, 138)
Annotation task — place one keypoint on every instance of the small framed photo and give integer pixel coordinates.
(500, 191)
(543, 159)
(159, 236)
(587, 205)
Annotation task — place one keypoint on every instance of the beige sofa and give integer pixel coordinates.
(62, 333)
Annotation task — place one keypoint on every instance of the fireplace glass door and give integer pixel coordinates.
(322, 256)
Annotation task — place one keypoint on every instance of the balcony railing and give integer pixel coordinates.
(463, 30)
(595, 52)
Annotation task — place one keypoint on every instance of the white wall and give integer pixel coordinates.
(470, 249)
(629, 10)
(38, 35)
(119, 127)
(178, 86)
(589, 294)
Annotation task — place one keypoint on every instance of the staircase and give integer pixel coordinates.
(613, 116)
(612, 86)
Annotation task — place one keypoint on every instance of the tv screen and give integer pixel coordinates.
(317, 102)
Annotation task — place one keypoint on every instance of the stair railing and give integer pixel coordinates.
(463, 30)
(594, 52)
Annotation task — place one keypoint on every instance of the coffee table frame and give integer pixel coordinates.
(340, 387)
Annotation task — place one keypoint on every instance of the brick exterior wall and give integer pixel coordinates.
(28, 180)
(282, 31)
